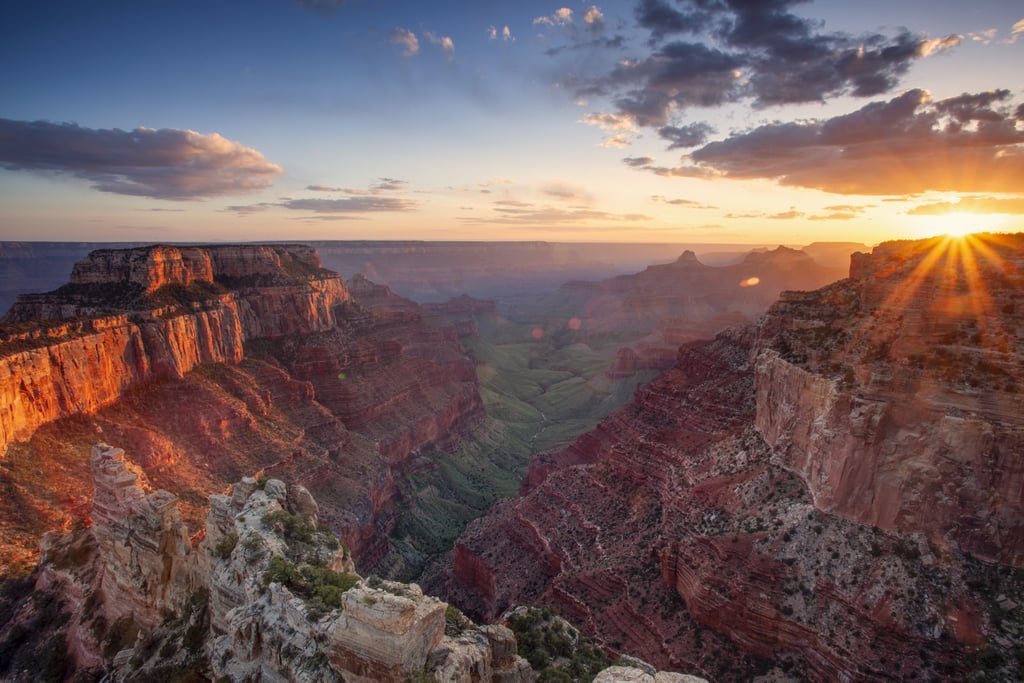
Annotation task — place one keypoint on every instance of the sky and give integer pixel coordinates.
(717, 121)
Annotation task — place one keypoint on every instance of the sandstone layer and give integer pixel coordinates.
(129, 316)
(804, 499)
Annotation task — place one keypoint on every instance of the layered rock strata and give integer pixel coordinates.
(896, 395)
(129, 316)
(821, 497)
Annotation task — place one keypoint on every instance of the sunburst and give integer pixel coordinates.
(951, 281)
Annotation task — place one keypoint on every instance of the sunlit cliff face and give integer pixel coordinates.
(955, 275)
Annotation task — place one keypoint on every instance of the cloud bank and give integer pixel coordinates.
(907, 145)
(710, 53)
(162, 164)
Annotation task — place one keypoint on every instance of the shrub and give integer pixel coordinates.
(320, 586)
(292, 527)
(226, 545)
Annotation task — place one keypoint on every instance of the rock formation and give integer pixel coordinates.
(828, 496)
(210, 363)
(265, 595)
(129, 316)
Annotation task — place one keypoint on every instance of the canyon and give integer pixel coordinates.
(832, 494)
(211, 363)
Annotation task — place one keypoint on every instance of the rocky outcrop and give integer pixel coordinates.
(629, 674)
(146, 568)
(764, 507)
(265, 595)
(129, 316)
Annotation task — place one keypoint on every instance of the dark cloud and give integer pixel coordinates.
(638, 162)
(906, 145)
(968, 107)
(678, 76)
(683, 137)
(163, 164)
(976, 204)
(662, 19)
(707, 53)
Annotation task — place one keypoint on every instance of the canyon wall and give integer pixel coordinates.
(896, 396)
(833, 494)
(86, 357)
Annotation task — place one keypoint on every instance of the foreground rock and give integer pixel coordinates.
(834, 495)
(265, 595)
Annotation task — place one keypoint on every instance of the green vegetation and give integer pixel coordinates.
(292, 527)
(321, 587)
(226, 545)
(538, 394)
(554, 649)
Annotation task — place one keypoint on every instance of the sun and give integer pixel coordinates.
(957, 224)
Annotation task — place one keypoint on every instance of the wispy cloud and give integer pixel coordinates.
(523, 213)
(984, 37)
(593, 19)
(444, 42)
(382, 185)
(560, 17)
(622, 128)
(349, 204)
(638, 162)
(834, 216)
(974, 204)
(505, 33)
(163, 164)
(407, 40)
(1016, 32)
(565, 192)
(688, 203)
(373, 199)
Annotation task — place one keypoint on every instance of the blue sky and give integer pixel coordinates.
(649, 120)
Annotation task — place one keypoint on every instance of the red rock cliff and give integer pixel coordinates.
(896, 394)
(769, 507)
(123, 320)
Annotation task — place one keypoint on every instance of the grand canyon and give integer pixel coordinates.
(817, 477)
